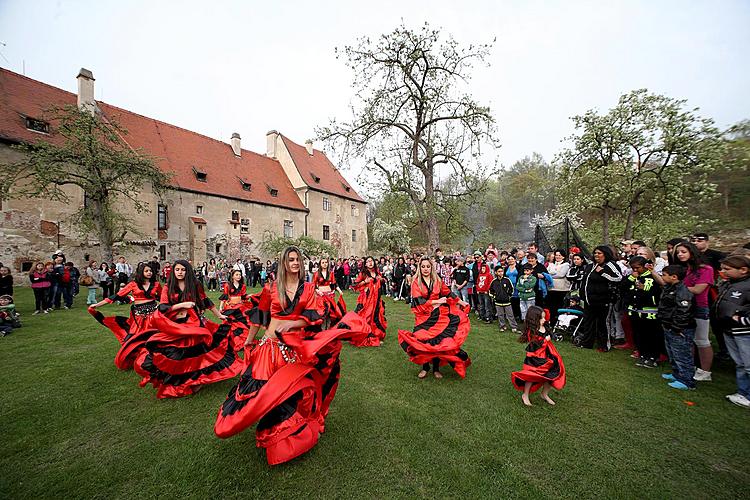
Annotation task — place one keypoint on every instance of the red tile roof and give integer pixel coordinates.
(318, 171)
(179, 151)
(198, 220)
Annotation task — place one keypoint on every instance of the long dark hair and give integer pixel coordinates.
(607, 251)
(365, 269)
(696, 257)
(231, 278)
(531, 324)
(139, 278)
(190, 293)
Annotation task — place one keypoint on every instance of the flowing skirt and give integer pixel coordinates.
(541, 365)
(132, 332)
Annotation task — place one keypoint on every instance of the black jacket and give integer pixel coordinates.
(733, 300)
(676, 308)
(501, 290)
(599, 287)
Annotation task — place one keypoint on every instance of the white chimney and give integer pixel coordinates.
(236, 144)
(86, 91)
(308, 146)
(271, 137)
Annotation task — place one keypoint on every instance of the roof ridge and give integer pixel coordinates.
(130, 112)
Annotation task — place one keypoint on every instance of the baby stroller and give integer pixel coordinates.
(568, 318)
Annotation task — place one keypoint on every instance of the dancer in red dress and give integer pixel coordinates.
(235, 305)
(292, 372)
(134, 331)
(187, 351)
(331, 309)
(543, 367)
(370, 302)
(442, 324)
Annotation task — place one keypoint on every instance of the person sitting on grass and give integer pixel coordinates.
(676, 312)
(543, 367)
(526, 284)
(9, 318)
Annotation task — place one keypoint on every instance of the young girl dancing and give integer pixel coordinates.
(325, 287)
(370, 302)
(543, 366)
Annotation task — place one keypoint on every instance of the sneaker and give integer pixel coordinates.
(635, 355)
(641, 361)
(679, 385)
(66, 307)
(702, 375)
(46, 311)
(669, 376)
(35, 313)
(731, 395)
(650, 363)
(739, 400)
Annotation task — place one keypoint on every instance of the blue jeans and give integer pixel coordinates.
(463, 293)
(525, 304)
(680, 352)
(739, 349)
(64, 292)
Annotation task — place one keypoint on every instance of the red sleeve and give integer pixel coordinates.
(444, 290)
(122, 293)
(310, 308)
(260, 313)
(419, 298)
(164, 299)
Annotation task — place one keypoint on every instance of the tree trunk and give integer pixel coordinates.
(632, 211)
(605, 225)
(103, 230)
(430, 221)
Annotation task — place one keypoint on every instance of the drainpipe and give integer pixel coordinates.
(308, 211)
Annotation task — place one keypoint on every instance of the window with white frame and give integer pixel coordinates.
(288, 229)
(326, 204)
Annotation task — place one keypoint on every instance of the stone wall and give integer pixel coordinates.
(340, 221)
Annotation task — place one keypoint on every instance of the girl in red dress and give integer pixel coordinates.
(132, 332)
(187, 351)
(442, 324)
(543, 367)
(370, 302)
(234, 305)
(292, 372)
(326, 288)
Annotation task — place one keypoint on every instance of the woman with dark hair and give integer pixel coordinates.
(576, 271)
(325, 287)
(441, 324)
(292, 372)
(699, 278)
(234, 305)
(187, 351)
(211, 273)
(370, 302)
(599, 279)
(132, 332)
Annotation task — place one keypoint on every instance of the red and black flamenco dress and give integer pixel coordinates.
(236, 307)
(186, 352)
(331, 309)
(288, 383)
(132, 332)
(439, 332)
(542, 364)
(370, 306)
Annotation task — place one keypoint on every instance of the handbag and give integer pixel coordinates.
(86, 280)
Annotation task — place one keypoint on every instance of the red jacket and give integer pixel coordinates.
(484, 279)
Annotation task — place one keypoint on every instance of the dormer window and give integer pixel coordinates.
(200, 175)
(346, 188)
(315, 178)
(273, 191)
(246, 186)
(37, 125)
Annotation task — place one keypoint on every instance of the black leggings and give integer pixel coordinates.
(435, 365)
(40, 298)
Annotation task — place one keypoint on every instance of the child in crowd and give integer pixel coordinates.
(675, 313)
(40, 284)
(51, 277)
(6, 281)
(732, 308)
(483, 279)
(9, 318)
(501, 290)
(543, 367)
(641, 293)
(526, 285)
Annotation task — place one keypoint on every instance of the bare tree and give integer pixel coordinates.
(412, 116)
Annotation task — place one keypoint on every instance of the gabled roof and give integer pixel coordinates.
(178, 150)
(318, 172)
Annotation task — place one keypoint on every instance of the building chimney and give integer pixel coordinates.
(308, 146)
(271, 138)
(236, 144)
(86, 91)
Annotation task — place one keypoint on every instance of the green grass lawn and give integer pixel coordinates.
(73, 426)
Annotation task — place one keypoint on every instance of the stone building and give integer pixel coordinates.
(225, 199)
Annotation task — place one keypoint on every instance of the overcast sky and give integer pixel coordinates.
(218, 67)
